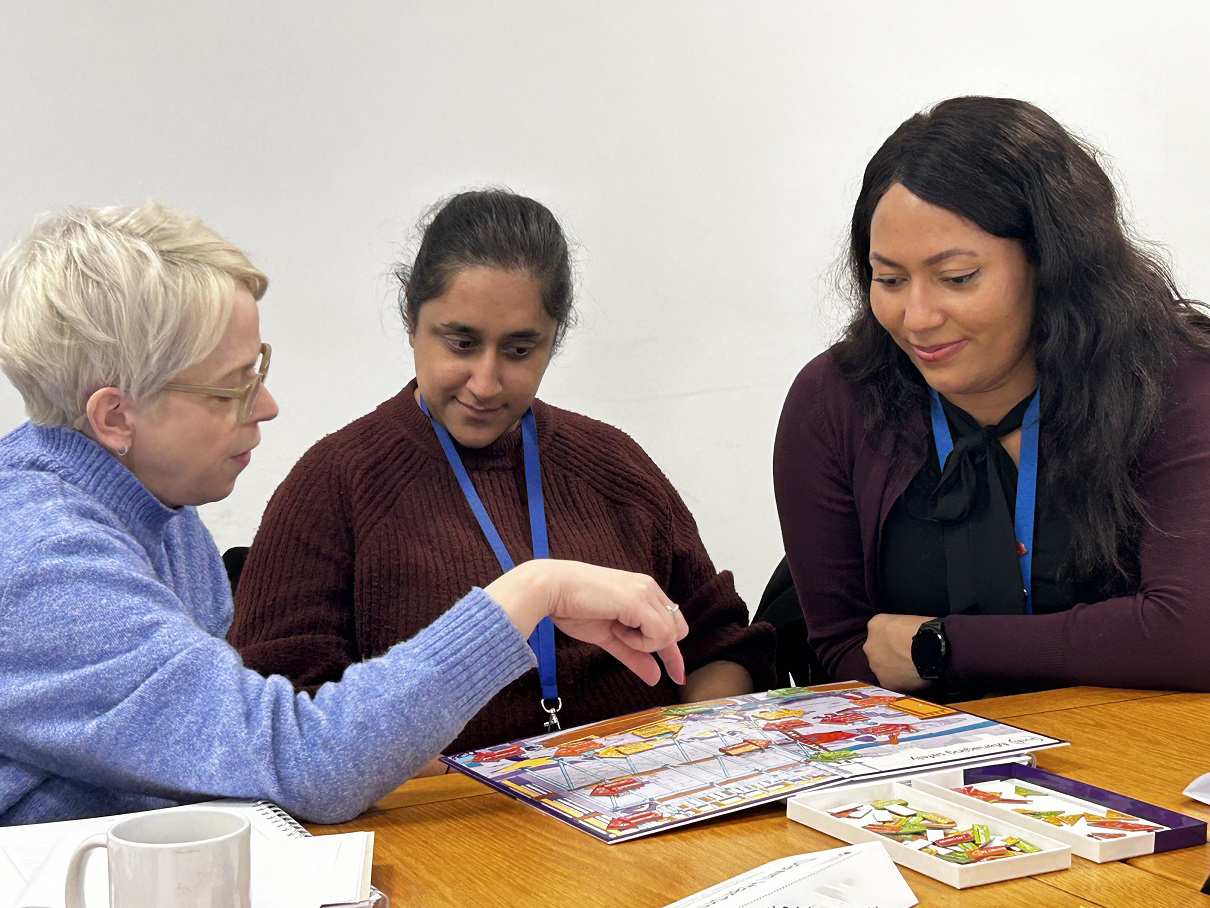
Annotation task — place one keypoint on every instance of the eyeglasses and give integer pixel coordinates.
(246, 395)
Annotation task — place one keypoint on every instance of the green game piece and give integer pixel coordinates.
(835, 756)
(1024, 847)
(956, 857)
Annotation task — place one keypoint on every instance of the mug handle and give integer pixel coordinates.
(73, 891)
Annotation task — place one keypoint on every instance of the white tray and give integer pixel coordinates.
(1132, 844)
(811, 809)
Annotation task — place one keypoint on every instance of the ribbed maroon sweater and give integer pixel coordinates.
(369, 539)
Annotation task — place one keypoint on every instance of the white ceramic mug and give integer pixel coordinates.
(195, 858)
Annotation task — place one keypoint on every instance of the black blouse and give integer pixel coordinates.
(969, 564)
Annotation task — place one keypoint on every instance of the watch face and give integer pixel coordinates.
(928, 652)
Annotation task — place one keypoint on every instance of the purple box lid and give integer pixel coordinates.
(1182, 831)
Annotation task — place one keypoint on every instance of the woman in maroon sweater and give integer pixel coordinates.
(373, 525)
(1003, 313)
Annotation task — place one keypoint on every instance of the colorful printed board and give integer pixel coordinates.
(654, 770)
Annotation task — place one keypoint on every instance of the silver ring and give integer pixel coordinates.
(672, 609)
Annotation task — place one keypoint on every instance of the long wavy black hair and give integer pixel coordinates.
(1108, 317)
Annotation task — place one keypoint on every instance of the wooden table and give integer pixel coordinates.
(451, 841)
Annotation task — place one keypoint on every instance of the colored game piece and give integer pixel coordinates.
(1046, 816)
(1122, 824)
(844, 810)
(956, 838)
(955, 857)
(972, 792)
(883, 828)
(616, 787)
(882, 805)
(937, 821)
(576, 748)
(1024, 847)
(499, 753)
(1028, 792)
(745, 746)
(835, 756)
(988, 851)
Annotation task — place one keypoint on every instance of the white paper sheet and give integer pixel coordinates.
(856, 876)
(1199, 789)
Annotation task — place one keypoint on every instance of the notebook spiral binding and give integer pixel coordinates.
(281, 820)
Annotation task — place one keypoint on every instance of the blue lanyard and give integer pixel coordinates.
(1027, 481)
(542, 640)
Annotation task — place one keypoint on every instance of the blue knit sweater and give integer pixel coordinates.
(119, 692)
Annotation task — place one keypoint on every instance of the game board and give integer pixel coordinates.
(665, 767)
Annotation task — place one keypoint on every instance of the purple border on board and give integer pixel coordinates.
(1182, 831)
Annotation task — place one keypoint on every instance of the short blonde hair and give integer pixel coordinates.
(125, 297)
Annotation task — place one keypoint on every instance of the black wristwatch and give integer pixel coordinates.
(931, 650)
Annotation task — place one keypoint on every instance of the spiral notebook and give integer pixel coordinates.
(290, 867)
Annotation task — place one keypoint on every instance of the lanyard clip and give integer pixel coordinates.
(552, 712)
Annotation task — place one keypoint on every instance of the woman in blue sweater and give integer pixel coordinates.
(134, 340)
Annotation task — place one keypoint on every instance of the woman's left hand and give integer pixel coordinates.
(888, 647)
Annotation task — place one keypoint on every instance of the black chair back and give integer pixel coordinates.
(233, 561)
(797, 664)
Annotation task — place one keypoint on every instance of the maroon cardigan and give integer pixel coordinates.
(835, 484)
(370, 539)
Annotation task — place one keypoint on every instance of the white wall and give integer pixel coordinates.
(706, 155)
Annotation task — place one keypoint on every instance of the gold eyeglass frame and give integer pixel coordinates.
(245, 394)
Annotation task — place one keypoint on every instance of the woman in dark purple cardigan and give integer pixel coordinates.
(1004, 318)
